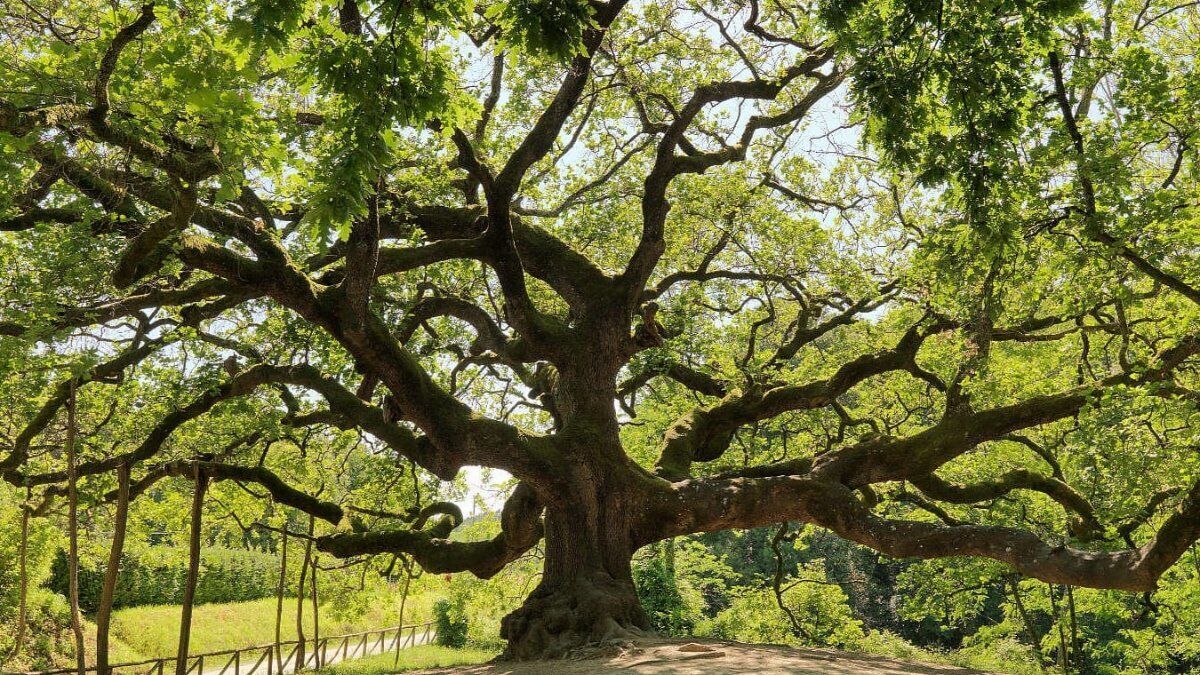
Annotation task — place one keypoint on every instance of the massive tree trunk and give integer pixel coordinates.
(586, 596)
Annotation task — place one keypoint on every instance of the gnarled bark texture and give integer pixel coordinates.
(586, 595)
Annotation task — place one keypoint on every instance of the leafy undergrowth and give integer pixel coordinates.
(49, 642)
(1003, 656)
(415, 658)
(154, 631)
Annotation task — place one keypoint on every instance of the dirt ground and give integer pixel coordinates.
(712, 658)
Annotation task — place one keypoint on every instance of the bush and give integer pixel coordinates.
(42, 543)
(659, 593)
(156, 577)
(451, 623)
(47, 641)
(818, 606)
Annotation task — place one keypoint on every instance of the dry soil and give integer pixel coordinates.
(711, 658)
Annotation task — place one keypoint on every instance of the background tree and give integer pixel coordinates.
(920, 274)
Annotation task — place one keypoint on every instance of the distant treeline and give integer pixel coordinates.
(155, 576)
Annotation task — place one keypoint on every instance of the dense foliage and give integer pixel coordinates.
(450, 622)
(963, 612)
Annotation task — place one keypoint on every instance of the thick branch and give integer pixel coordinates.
(886, 459)
(668, 164)
(704, 434)
(710, 505)
(1018, 479)
(521, 529)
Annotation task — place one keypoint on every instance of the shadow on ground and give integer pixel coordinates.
(712, 658)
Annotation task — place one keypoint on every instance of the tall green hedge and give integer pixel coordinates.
(155, 577)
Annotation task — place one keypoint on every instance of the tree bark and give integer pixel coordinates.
(586, 596)
(73, 536)
(112, 572)
(189, 587)
(400, 620)
(299, 664)
(23, 575)
(279, 602)
(318, 653)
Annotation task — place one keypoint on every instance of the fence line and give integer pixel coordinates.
(351, 646)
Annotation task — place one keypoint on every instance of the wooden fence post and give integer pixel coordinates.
(316, 608)
(73, 535)
(108, 590)
(400, 621)
(23, 575)
(193, 571)
(279, 600)
(300, 660)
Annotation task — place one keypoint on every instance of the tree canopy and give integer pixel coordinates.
(923, 274)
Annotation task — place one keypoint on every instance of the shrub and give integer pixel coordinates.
(819, 608)
(48, 642)
(661, 598)
(156, 576)
(42, 543)
(451, 623)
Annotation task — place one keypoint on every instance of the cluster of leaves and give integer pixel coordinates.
(658, 589)
(450, 621)
(551, 27)
(948, 87)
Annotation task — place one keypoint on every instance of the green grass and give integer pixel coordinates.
(154, 631)
(414, 658)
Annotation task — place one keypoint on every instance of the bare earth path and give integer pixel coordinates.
(719, 658)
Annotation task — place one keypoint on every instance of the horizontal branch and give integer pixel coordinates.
(341, 399)
(698, 381)
(705, 434)
(521, 529)
(710, 505)
(428, 545)
(1018, 479)
(887, 459)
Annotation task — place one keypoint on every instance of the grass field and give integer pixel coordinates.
(140, 633)
(153, 632)
(416, 658)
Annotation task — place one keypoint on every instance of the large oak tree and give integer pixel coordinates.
(676, 267)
